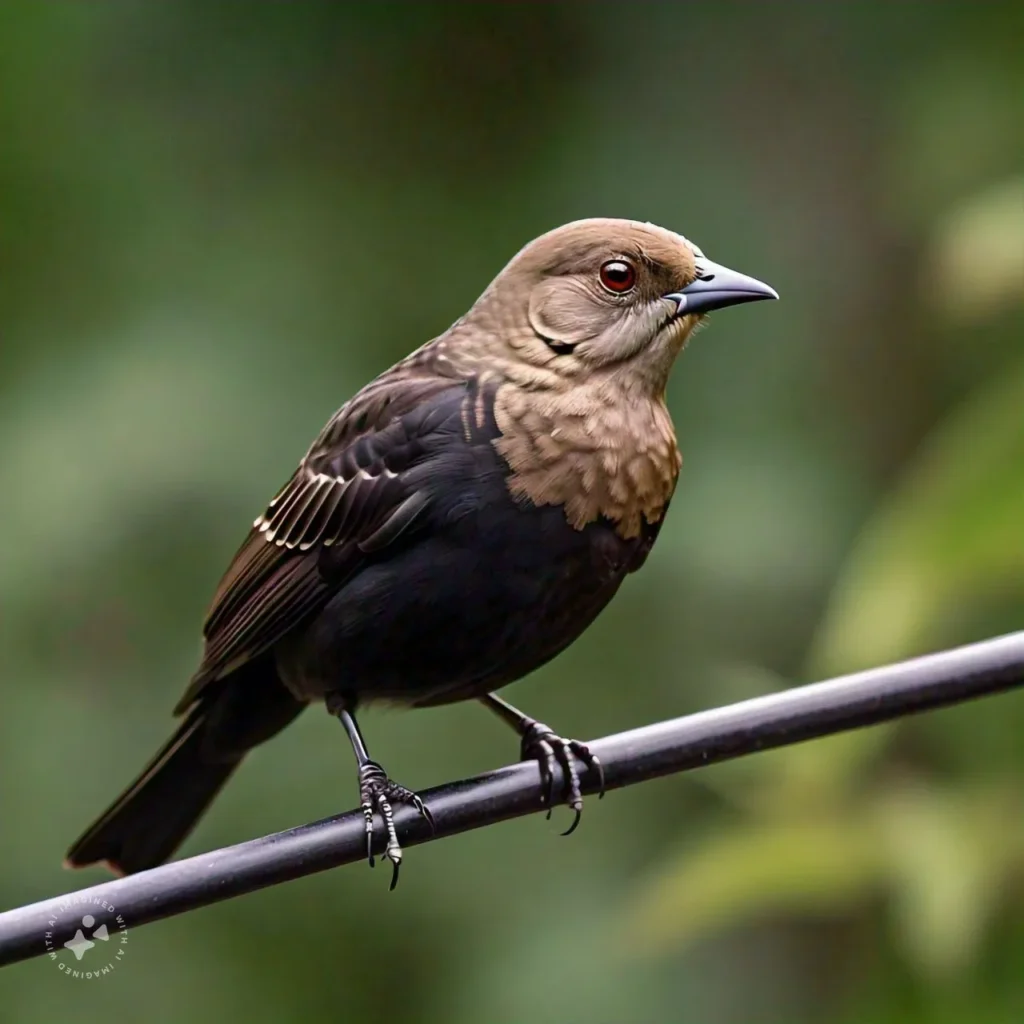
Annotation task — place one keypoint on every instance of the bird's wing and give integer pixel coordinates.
(351, 496)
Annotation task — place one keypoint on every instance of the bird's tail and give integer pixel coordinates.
(154, 815)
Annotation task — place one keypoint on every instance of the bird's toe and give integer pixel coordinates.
(377, 792)
(543, 745)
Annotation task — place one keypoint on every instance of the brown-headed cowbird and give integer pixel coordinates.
(457, 523)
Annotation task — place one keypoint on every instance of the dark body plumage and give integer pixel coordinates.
(456, 524)
(477, 591)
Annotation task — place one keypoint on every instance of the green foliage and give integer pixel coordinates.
(951, 537)
(819, 866)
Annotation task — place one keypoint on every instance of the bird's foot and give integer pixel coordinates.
(378, 792)
(544, 746)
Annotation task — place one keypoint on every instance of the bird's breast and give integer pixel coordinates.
(593, 450)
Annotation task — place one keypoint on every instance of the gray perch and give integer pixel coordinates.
(777, 720)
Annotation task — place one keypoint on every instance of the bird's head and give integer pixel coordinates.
(595, 294)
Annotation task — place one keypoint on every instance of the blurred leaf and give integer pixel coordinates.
(822, 772)
(944, 857)
(976, 266)
(808, 866)
(951, 857)
(951, 534)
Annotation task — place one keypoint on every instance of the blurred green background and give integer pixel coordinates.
(219, 219)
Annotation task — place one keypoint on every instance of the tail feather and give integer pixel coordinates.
(155, 814)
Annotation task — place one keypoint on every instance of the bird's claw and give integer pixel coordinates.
(544, 746)
(376, 793)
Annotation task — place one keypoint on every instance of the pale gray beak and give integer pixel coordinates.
(716, 287)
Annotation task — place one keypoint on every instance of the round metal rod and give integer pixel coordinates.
(776, 720)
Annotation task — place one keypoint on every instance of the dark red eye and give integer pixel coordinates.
(618, 276)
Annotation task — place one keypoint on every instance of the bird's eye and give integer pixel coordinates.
(618, 276)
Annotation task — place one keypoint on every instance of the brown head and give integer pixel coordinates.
(597, 297)
(574, 341)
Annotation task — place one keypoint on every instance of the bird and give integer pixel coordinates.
(457, 523)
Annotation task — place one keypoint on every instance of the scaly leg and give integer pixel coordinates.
(376, 790)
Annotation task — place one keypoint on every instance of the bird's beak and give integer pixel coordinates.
(716, 287)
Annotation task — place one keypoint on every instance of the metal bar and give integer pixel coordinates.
(776, 720)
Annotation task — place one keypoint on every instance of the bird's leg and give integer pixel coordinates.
(376, 790)
(542, 744)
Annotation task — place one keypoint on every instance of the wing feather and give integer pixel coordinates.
(294, 586)
(352, 493)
